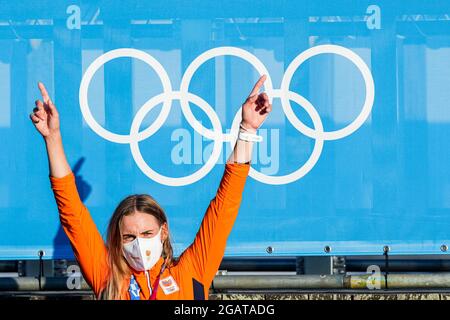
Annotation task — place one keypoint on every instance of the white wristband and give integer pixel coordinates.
(249, 137)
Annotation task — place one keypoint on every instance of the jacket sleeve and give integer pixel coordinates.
(87, 243)
(204, 255)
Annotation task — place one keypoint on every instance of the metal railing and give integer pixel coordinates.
(262, 282)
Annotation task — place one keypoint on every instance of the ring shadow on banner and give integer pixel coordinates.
(60, 241)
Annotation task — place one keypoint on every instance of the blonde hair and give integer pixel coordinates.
(118, 268)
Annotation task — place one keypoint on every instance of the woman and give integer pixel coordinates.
(137, 258)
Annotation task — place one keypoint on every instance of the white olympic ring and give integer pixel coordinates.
(192, 68)
(134, 145)
(309, 164)
(184, 96)
(368, 80)
(89, 74)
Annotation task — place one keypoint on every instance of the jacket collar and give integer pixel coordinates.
(154, 271)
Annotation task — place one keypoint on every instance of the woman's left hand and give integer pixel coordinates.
(256, 108)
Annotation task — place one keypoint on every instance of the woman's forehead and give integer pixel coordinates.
(139, 222)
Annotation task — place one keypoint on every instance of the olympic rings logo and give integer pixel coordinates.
(216, 134)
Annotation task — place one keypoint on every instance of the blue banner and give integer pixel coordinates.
(355, 154)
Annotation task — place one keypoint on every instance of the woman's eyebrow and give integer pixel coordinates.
(128, 235)
(147, 231)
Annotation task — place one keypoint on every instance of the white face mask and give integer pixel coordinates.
(143, 253)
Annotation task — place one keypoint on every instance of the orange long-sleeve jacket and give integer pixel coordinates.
(197, 265)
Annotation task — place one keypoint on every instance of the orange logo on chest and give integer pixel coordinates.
(169, 285)
(167, 282)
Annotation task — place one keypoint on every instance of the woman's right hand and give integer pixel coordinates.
(45, 117)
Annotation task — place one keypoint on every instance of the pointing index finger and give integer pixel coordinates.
(44, 92)
(258, 85)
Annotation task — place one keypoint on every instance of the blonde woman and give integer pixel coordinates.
(137, 261)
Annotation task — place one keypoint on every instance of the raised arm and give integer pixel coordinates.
(45, 118)
(86, 241)
(205, 254)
